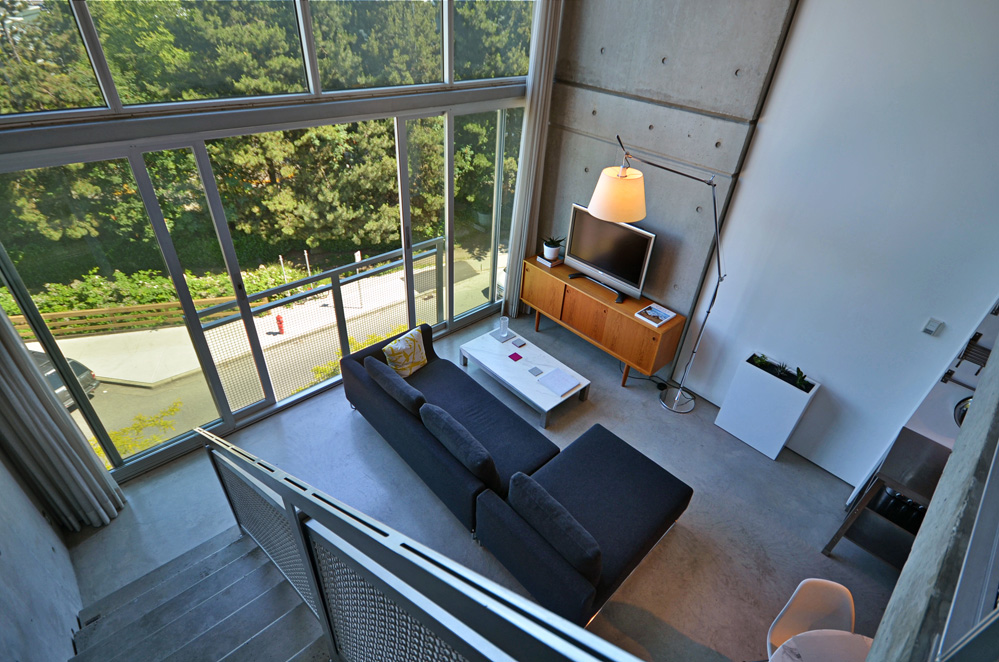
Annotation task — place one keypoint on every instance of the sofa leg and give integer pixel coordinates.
(476, 539)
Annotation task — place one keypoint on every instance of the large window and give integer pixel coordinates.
(202, 268)
(179, 50)
(378, 43)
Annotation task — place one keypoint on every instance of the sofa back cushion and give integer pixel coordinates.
(390, 381)
(556, 525)
(461, 443)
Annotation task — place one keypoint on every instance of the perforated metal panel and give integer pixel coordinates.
(368, 626)
(270, 528)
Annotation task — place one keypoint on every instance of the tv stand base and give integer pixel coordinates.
(621, 296)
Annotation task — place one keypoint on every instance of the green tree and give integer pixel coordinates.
(43, 65)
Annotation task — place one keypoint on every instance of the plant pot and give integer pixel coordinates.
(551, 252)
(761, 409)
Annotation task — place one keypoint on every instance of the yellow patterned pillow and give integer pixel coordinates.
(405, 354)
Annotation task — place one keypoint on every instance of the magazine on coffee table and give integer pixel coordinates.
(655, 315)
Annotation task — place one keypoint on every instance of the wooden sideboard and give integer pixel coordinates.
(588, 310)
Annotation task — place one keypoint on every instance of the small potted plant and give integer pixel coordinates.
(764, 403)
(552, 246)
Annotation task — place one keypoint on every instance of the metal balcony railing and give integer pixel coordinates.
(379, 595)
(305, 326)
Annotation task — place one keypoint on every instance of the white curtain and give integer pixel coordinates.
(43, 442)
(540, 80)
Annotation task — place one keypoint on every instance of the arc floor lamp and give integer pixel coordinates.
(619, 197)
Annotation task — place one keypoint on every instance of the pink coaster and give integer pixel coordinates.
(516, 357)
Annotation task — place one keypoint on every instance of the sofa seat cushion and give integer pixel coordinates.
(622, 498)
(461, 443)
(394, 385)
(514, 444)
(556, 525)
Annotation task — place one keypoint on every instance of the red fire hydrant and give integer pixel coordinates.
(280, 323)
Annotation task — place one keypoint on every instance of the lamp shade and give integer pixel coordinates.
(617, 198)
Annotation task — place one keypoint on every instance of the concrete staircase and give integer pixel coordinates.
(223, 600)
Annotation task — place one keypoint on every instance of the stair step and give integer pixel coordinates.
(229, 634)
(129, 592)
(314, 652)
(194, 622)
(133, 626)
(281, 640)
(171, 586)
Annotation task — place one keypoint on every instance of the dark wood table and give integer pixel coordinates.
(912, 467)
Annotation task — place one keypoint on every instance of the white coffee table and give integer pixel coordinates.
(493, 356)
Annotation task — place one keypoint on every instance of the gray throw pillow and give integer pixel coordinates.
(462, 444)
(556, 525)
(390, 381)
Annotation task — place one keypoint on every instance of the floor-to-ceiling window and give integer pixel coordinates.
(297, 179)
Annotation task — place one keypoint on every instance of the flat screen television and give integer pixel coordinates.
(613, 254)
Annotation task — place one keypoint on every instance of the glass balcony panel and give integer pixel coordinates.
(183, 50)
(375, 305)
(377, 43)
(492, 38)
(426, 210)
(43, 62)
(80, 240)
(482, 219)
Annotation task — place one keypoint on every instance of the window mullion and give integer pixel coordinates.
(309, 46)
(448, 42)
(96, 54)
(449, 211)
(406, 225)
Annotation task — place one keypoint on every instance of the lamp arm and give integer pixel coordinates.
(628, 155)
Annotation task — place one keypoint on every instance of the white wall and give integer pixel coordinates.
(868, 203)
(39, 596)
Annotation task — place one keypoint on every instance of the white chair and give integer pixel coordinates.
(817, 604)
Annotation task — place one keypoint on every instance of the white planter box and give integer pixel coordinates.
(761, 409)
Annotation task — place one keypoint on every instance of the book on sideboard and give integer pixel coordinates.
(655, 315)
(550, 263)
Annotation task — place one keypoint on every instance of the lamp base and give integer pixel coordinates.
(677, 400)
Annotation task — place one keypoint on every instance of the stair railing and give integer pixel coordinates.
(378, 594)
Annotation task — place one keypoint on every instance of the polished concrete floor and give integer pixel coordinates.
(708, 591)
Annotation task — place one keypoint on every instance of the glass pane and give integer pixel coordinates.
(185, 209)
(426, 210)
(42, 58)
(180, 50)
(377, 43)
(87, 379)
(492, 38)
(303, 202)
(482, 219)
(82, 244)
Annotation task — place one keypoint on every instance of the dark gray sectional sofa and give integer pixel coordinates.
(570, 526)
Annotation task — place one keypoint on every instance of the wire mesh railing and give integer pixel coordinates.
(305, 326)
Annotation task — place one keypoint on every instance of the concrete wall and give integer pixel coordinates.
(39, 598)
(681, 82)
(866, 205)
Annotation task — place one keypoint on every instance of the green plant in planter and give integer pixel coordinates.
(760, 361)
(553, 241)
(782, 370)
(800, 379)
